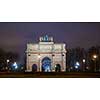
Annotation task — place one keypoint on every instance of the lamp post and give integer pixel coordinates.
(7, 64)
(95, 58)
(84, 64)
(39, 56)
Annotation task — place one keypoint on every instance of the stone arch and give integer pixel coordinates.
(57, 68)
(34, 68)
(46, 64)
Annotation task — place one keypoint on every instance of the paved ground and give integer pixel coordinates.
(50, 75)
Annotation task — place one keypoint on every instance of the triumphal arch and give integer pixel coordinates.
(46, 56)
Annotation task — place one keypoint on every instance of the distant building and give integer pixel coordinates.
(46, 56)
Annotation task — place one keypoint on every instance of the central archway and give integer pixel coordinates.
(46, 64)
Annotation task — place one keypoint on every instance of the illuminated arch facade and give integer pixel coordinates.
(46, 48)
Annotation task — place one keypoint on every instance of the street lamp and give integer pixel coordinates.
(7, 63)
(83, 60)
(8, 60)
(94, 58)
(83, 64)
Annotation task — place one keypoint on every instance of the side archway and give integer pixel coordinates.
(57, 68)
(34, 68)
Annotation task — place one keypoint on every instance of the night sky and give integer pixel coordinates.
(15, 36)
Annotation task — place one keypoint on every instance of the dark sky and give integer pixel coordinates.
(14, 36)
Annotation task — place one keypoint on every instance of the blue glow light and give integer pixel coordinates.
(46, 64)
(15, 65)
(77, 65)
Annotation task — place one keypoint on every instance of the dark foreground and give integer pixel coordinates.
(50, 75)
